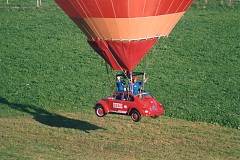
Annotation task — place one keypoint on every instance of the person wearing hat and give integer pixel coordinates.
(135, 85)
(120, 84)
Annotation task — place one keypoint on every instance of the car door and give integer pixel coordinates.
(118, 103)
(115, 104)
(127, 102)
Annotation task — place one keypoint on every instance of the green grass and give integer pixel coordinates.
(26, 3)
(79, 136)
(200, 69)
(50, 79)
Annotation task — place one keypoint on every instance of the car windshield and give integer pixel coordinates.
(144, 95)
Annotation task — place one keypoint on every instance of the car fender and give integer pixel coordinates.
(105, 106)
(160, 105)
(132, 108)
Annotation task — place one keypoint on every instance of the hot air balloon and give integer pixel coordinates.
(123, 31)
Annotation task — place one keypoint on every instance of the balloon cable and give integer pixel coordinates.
(109, 78)
(166, 26)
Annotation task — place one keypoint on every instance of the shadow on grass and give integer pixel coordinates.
(51, 119)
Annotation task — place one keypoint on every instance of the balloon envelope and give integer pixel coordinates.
(123, 31)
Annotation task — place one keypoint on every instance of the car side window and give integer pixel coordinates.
(117, 96)
(128, 97)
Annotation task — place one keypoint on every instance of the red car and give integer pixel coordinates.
(142, 104)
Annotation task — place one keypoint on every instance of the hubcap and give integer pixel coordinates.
(135, 116)
(100, 111)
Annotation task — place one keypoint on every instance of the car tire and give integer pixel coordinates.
(135, 115)
(154, 117)
(100, 111)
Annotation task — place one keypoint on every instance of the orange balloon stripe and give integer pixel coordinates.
(128, 28)
(123, 31)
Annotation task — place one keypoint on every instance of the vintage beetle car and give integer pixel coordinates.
(142, 104)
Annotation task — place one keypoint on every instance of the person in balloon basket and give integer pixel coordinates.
(120, 84)
(135, 85)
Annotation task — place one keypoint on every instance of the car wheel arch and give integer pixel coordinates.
(106, 109)
(131, 109)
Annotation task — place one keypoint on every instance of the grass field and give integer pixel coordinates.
(50, 79)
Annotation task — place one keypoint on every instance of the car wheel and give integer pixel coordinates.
(154, 117)
(99, 111)
(135, 115)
